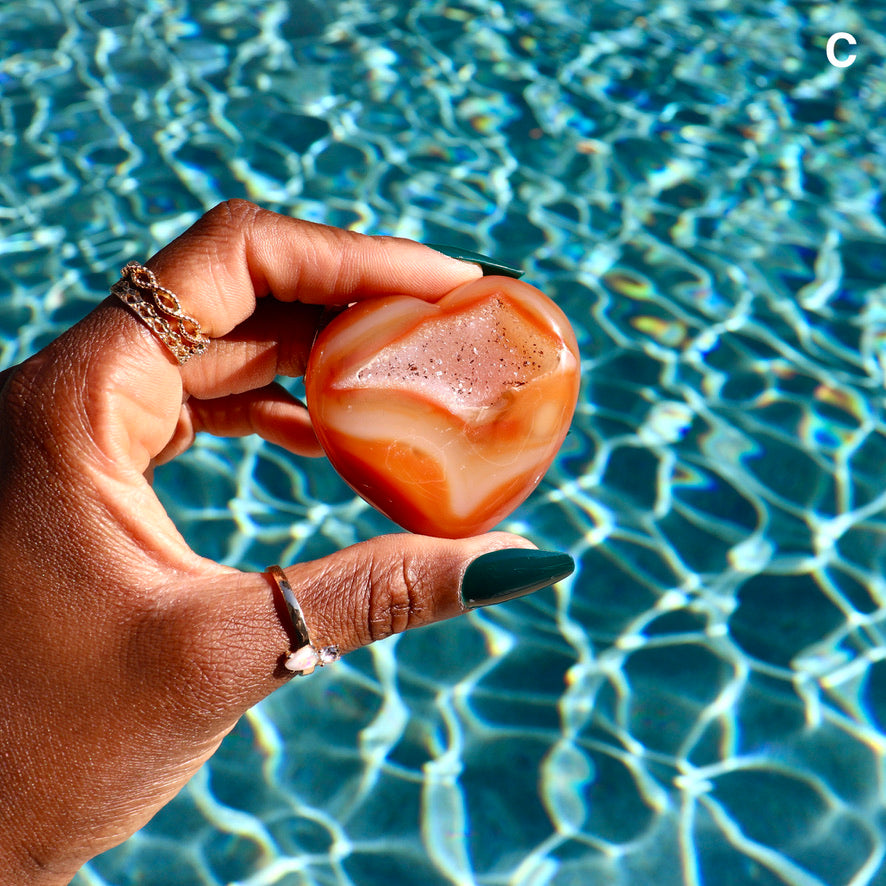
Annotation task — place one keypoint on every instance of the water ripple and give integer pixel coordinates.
(703, 196)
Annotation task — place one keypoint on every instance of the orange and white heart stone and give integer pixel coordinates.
(445, 415)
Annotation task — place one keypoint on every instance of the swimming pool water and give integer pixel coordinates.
(704, 701)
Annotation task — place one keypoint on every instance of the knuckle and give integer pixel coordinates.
(233, 212)
(398, 590)
(336, 251)
(228, 219)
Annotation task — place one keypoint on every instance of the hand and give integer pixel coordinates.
(124, 656)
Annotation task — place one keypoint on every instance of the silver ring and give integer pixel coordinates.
(303, 658)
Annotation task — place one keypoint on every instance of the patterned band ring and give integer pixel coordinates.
(160, 311)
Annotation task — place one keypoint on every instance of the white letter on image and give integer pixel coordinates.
(832, 41)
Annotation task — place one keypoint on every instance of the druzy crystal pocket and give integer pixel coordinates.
(446, 415)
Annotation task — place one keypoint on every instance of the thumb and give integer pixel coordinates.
(354, 597)
(396, 582)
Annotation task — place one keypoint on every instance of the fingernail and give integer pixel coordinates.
(489, 265)
(513, 572)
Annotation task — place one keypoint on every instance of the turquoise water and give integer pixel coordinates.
(704, 701)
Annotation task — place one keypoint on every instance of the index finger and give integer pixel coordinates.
(109, 381)
(239, 252)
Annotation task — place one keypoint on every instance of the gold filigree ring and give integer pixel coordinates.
(160, 311)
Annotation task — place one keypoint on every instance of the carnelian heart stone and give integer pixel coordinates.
(445, 415)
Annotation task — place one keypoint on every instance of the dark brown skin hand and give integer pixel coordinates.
(124, 656)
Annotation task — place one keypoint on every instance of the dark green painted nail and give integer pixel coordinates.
(513, 572)
(489, 265)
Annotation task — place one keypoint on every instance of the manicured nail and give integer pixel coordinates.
(490, 266)
(513, 572)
